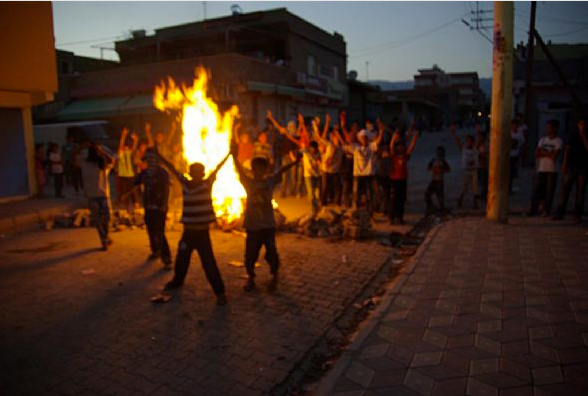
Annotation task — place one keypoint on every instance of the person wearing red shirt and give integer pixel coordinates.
(399, 175)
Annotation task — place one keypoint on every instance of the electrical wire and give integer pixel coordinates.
(567, 33)
(104, 39)
(394, 44)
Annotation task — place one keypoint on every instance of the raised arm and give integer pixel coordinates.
(326, 126)
(285, 168)
(455, 138)
(280, 128)
(104, 154)
(380, 125)
(317, 135)
(170, 135)
(123, 138)
(150, 142)
(212, 176)
(395, 138)
(343, 125)
(238, 166)
(135, 138)
(415, 137)
(169, 166)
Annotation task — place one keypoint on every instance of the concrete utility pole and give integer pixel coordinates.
(501, 113)
(530, 56)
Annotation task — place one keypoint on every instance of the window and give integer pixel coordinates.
(311, 65)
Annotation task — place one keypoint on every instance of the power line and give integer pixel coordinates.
(397, 43)
(104, 39)
(568, 33)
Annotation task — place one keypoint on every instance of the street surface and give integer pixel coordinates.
(485, 309)
(76, 320)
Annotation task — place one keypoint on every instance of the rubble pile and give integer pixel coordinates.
(120, 219)
(333, 222)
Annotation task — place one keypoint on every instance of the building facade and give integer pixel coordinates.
(550, 99)
(262, 60)
(28, 77)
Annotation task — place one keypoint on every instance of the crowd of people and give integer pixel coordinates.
(326, 160)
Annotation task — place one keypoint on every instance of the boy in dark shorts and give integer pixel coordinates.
(259, 222)
(438, 168)
(155, 181)
(197, 215)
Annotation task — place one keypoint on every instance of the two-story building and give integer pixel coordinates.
(260, 60)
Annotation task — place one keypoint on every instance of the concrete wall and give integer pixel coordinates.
(27, 47)
(28, 77)
(13, 162)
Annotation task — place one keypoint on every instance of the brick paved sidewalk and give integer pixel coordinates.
(485, 309)
(63, 332)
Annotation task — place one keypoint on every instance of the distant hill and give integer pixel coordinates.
(485, 85)
(392, 85)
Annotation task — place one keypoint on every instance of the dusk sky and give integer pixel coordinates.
(396, 38)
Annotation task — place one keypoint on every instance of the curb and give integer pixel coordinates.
(325, 385)
(33, 220)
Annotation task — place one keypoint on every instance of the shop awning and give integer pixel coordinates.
(107, 107)
(275, 89)
(138, 104)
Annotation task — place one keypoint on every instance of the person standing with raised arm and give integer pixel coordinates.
(259, 221)
(197, 215)
(400, 156)
(95, 165)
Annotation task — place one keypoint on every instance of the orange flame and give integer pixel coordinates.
(206, 138)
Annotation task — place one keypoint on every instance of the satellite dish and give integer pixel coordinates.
(352, 75)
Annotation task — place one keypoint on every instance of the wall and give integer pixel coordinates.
(26, 39)
(13, 163)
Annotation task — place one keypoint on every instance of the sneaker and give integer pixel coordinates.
(104, 246)
(273, 285)
(557, 217)
(173, 284)
(459, 203)
(249, 286)
(221, 300)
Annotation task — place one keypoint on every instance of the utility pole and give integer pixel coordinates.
(367, 71)
(501, 112)
(529, 73)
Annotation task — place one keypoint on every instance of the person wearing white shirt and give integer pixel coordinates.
(545, 183)
(364, 166)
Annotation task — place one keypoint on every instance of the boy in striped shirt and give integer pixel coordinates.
(197, 215)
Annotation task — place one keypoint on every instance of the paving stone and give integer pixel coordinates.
(479, 388)
(501, 380)
(434, 338)
(419, 382)
(490, 326)
(547, 375)
(426, 359)
(388, 378)
(450, 387)
(441, 320)
(360, 374)
(374, 351)
(483, 366)
(540, 332)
